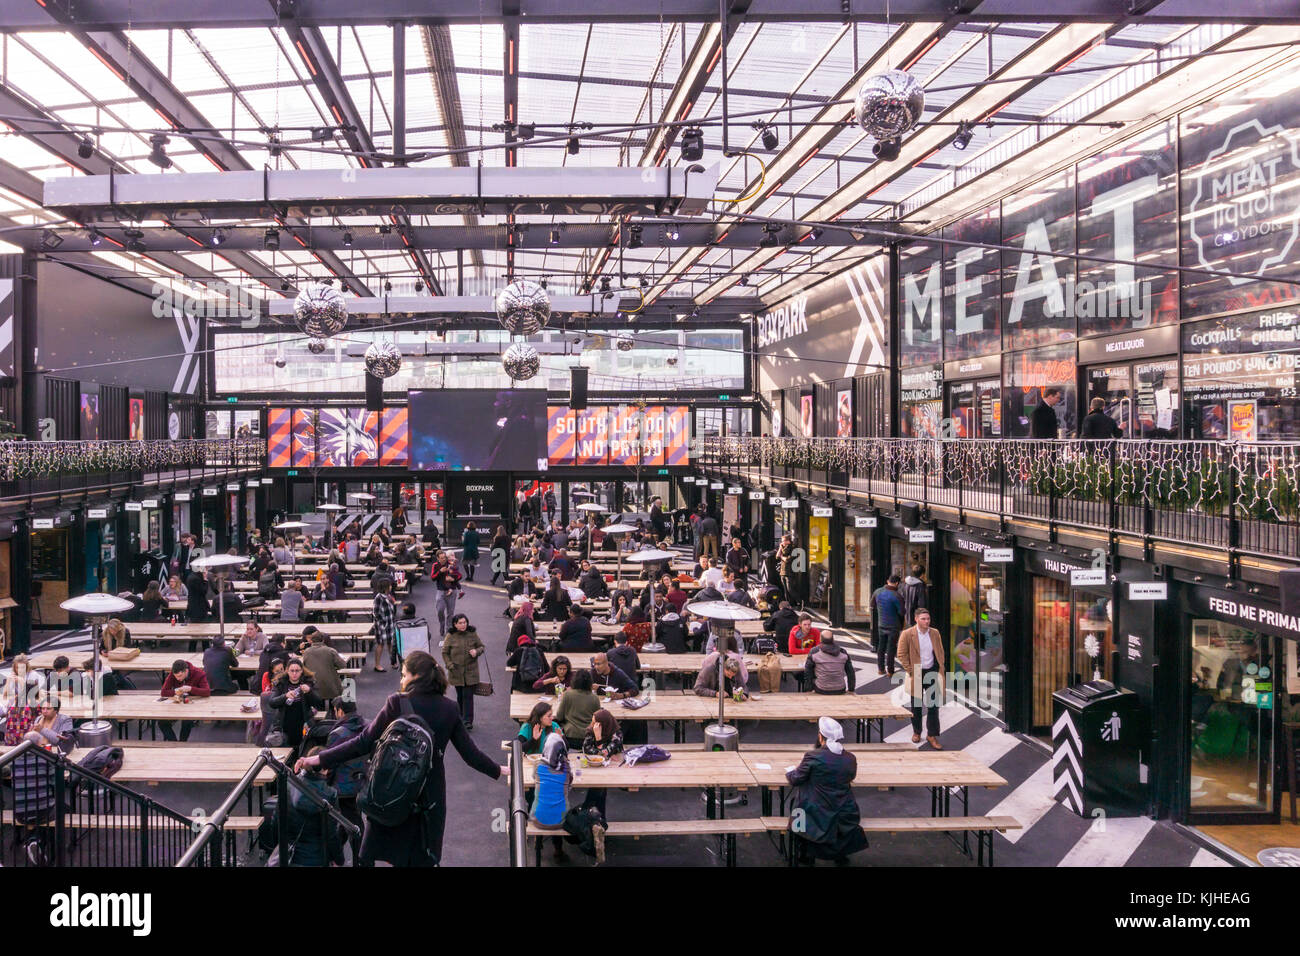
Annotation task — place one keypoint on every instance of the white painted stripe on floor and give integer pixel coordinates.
(993, 746)
(950, 715)
(1028, 803)
(1109, 841)
(1205, 857)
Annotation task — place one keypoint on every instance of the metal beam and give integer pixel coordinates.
(595, 304)
(655, 234)
(315, 52)
(210, 14)
(315, 193)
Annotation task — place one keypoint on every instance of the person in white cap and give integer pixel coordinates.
(824, 820)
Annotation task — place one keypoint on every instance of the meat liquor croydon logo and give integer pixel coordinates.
(1239, 202)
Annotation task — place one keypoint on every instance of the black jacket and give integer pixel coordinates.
(196, 605)
(518, 627)
(781, 624)
(418, 841)
(575, 635)
(1043, 422)
(1099, 425)
(593, 584)
(555, 604)
(823, 791)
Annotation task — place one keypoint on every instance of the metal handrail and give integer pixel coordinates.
(518, 806)
(283, 769)
(216, 823)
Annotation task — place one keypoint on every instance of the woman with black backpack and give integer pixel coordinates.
(413, 839)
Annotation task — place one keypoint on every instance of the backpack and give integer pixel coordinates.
(579, 822)
(266, 585)
(765, 645)
(103, 760)
(398, 769)
(348, 778)
(532, 665)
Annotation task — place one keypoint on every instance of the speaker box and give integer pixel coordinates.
(578, 387)
(1288, 583)
(910, 515)
(374, 393)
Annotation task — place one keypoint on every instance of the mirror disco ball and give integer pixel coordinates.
(383, 359)
(320, 311)
(889, 104)
(624, 342)
(521, 361)
(523, 307)
(316, 346)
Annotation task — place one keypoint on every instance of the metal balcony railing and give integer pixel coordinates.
(20, 460)
(1242, 497)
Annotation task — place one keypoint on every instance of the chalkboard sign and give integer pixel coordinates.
(50, 557)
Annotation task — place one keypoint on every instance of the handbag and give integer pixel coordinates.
(484, 688)
(122, 654)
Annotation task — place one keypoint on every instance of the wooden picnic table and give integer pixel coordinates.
(688, 767)
(160, 662)
(690, 663)
(129, 706)
(940, 771)
(679, 709)
(189, 632)
(358, 586)
(183, 763)
(273, 607)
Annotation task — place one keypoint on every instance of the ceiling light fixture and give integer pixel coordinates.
(887, 150)
(692, 144)
(770, 139)
(419, 286)
(388, 285)
(769, 236)
(86, 148)
(158, 153)
(347, 239)
(218, 236)
(526, 130)
(573, 146)
(634, 237)
(965, 131)
(95, 237)
(555, 237)
(604, 283)
(271, 240)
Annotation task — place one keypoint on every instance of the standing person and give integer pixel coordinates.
(709, 544)
(417, 841)
(1043, 421)
(738, 562)
(500, 553)
(469, 543)
(1097, 424)
(430, 533)
(914, 594)
(324, 664)
(887, 620)
(657, 521)
(446, 579)
(461, 649)
(920, 654)
(197, 608)
(384, 612)
(399, 519)
(551, 504)
(823, 793)
(186, 552)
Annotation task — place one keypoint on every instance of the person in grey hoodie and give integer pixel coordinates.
(914, 593)
(829, 669)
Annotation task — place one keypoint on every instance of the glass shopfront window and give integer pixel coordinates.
(971, 287)
(1127, 200)
(977, 622)
(819, 562)
(1231, 717)
(920, 269)
(1027, 374)
(1240, 157)
(1239, 376)
(1035, 281)
(857, 576)
(1063, 620)
(921, 401)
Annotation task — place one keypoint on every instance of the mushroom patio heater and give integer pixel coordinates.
(98, 608)
(722, 617)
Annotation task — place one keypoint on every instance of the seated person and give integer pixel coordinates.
(183, 681)
(575, 633)
(712, 576)
(592, 581)
(529, 664)
(538, 727)
(624, 657)
(823, 797)
(743, 598)
(557, 677)
(803, 636)
(611, 680)
(677, 597)
(829, 669)
(733, 685)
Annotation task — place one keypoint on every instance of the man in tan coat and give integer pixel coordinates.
(920, 655)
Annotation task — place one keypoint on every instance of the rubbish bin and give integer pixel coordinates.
(1097, 739)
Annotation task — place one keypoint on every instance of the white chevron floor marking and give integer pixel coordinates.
(1111, 846)
(993, 746)
(1028, 803)
(1205, 858)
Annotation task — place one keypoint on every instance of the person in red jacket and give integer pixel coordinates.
(677, 597)
(184, 681)
(803, 636)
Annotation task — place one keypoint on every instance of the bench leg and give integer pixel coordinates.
(537, 851)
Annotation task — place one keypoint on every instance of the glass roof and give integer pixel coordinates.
(246, 83)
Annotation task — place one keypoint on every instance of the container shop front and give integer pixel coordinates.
(1237, 656)
(859, 552)
(1067, 601)
(977, 615)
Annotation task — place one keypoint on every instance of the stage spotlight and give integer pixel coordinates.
(86, 148)
(692, 144)
(964, 133)
(573, 146)
(347, 239)
(555, 237)
(887, 150)
(218, 236)
(770, 139)
(158, 153)
(271, 240)
(634, 237)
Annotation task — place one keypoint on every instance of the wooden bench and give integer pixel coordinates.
(982, 827)
(728, 828)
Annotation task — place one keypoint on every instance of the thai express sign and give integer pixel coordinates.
(1242, 218)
